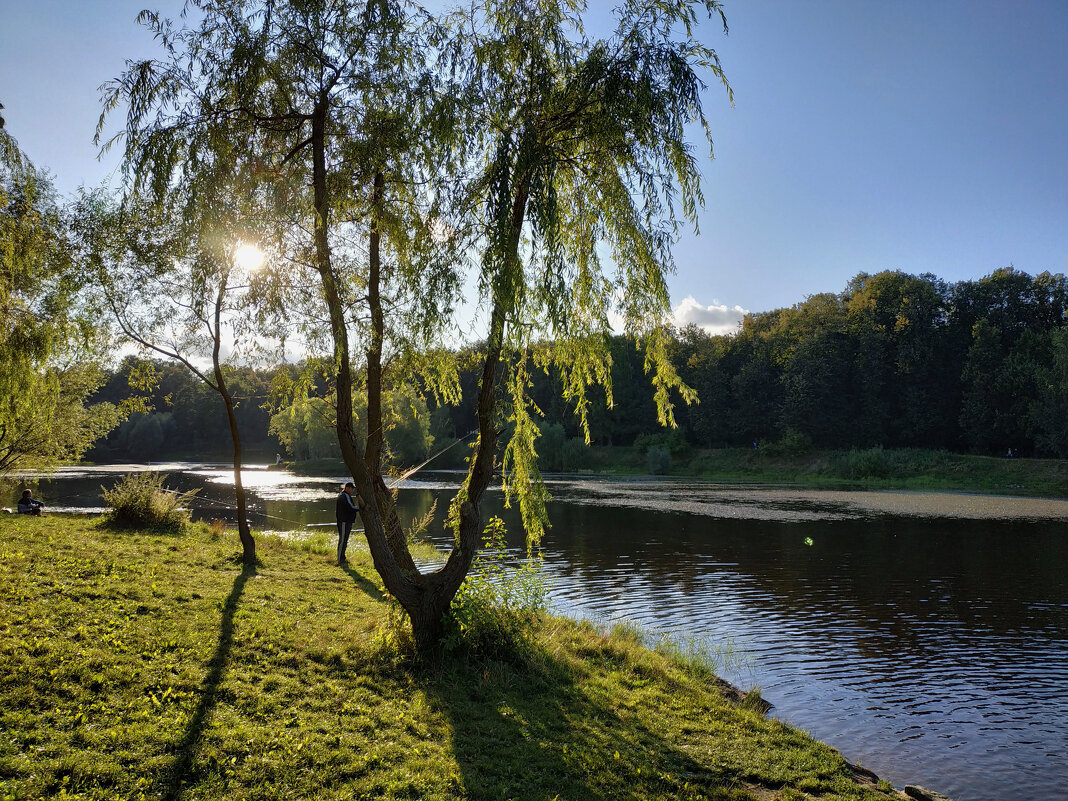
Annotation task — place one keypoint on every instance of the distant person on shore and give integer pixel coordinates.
(346, 516)
(29, 505)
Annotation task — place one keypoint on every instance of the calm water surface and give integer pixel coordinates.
(926, 637)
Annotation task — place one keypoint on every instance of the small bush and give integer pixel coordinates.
(672, 439)
(140, 500)
(576, 454)
(792, 443)
(658, 460)
(498, 606)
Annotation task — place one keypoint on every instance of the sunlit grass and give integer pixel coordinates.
(154, 666)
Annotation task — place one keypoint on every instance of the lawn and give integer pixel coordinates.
(139, 665)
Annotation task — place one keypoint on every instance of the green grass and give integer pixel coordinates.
(153, 666)
(873, 468)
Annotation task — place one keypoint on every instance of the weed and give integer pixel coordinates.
(496, 610)
(140, 500)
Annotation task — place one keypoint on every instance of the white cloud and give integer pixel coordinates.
(714, 319)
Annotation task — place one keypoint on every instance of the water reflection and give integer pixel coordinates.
(931, 645)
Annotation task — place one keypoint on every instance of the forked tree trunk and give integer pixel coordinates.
(425, 597)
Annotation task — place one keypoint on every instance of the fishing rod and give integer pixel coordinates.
(405, 476)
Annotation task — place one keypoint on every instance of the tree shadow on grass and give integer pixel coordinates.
(540, 732)
(173, 781)
(361, 581)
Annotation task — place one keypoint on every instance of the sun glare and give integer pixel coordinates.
(248, 257)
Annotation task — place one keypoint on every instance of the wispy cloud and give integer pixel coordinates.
(715, 319)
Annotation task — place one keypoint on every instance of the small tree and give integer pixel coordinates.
(168, 281)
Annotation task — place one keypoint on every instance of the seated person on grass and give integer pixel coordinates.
(28, 505)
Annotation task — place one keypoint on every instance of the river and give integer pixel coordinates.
(924, 635)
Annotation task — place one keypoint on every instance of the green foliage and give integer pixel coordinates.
(497, 609)
(141, 501)
(658, 460)
(660, 449)
(305, 426)
(1049, 410)
(791, 443)
(673, 441)
(49, 337)
(559, 453)
(191, 416)
(896, 360)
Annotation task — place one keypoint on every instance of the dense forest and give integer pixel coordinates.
(894, 360)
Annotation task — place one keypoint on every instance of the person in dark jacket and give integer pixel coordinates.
(346, 516)
(29, 505)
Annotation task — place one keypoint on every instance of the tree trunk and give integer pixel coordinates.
(404, 585)
(375, 424)
(244, 531)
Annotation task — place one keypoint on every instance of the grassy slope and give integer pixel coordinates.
(149, 666)
(868, 469)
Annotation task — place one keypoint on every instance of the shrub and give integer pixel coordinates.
(576, 454)
(672, 440)
(792, 443)
(140, 500)
(658, 460)
(497, 608)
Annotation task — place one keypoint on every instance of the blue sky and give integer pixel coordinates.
(922, 135)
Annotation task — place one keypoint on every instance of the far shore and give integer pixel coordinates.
(845, 471)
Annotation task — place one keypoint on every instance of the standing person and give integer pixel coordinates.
(29, 505)
(346, 516)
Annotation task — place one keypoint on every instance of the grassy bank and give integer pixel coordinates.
(151, 666)
(873, 468)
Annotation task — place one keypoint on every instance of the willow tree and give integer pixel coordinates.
(50, 344)
(563, 160)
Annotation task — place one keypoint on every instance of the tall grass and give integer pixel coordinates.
(496, 610)
(141, 501)
(858, 464)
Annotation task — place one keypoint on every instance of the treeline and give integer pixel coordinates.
(895, 360)
(171, 414)
(178, 416)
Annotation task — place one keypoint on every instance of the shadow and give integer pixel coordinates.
(174, 780)
(543, 731)
(118, 527)
(361, 581)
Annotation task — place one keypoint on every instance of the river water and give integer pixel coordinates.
(923, 635)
